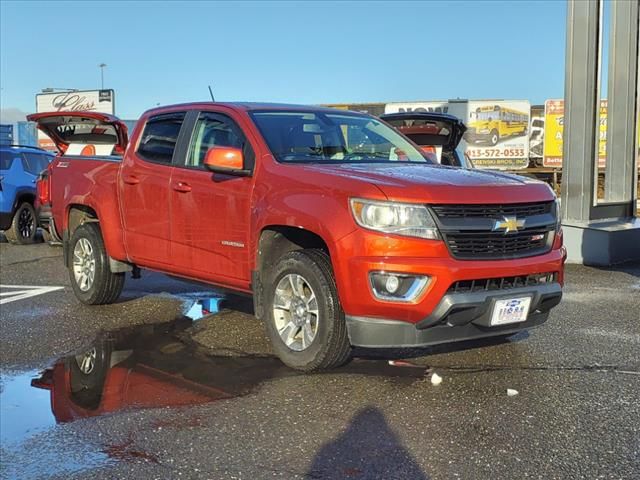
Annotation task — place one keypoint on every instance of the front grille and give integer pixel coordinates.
(498, 211)
(496, 244)
(502, 283)
(468, 230)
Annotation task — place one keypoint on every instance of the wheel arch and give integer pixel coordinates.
(23, 195)
(77, 214)
(273, 242)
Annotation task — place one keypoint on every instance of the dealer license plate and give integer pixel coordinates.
(510, 310)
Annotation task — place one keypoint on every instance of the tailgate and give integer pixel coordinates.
(428, 129)
(83, 133)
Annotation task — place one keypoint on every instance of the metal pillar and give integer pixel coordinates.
(600, 233)
(622, 116)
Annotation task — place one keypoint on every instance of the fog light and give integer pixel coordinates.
(392, 284)
(397, 287)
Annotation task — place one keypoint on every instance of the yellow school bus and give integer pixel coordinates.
(492, 122)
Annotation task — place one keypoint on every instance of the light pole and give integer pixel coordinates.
(102, 65)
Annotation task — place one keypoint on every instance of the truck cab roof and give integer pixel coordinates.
(246, 106)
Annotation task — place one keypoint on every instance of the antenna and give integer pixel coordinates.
(211, 93)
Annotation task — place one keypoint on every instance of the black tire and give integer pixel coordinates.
(494, 137)
(23, 226)
(330, 347)
(87, 381)
(106, 286)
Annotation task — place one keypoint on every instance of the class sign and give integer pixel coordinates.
(101, 101)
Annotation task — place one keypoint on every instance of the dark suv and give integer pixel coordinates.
(19, 169)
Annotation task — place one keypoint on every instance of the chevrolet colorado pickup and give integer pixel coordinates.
(343, 231)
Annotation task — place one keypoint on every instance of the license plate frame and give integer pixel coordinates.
(507, 311)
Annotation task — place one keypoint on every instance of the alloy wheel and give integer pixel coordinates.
(295, 312)
(26, 223)
(87, 361)
(84, 264)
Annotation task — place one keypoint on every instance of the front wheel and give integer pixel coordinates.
(23, 226)
(91, 278)
(303, 316)
(494, 137)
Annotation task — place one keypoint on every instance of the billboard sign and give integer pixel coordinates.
(437, 106)
(102, 101)
(497, 135)
(554, 128)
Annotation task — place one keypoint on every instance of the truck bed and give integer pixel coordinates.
(90, 182)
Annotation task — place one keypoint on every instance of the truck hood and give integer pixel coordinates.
(441, 184)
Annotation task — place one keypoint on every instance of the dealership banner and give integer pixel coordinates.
(497, 135)
(101, 101)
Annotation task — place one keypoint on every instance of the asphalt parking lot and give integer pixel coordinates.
(204, 398)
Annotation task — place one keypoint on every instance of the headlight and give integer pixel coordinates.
(558, 213)
(397, 218)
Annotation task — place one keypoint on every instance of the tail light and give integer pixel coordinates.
(43, 187)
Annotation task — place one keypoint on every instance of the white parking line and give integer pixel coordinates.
(22, 292)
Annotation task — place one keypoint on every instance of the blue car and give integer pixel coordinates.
(19, 170)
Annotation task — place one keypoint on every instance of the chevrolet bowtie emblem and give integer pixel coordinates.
(508, 224)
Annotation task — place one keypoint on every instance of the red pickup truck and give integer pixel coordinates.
(343, 231)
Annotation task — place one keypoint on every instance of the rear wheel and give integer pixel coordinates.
(87, 373)
(91, 278)
(23, 226)
(303, 316)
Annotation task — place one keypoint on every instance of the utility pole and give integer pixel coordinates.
(102, 65)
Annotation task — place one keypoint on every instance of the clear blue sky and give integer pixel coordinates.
(299, 52)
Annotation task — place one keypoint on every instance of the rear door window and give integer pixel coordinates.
(159, 137)
(34, 163)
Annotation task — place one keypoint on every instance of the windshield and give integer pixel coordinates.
(313, 137)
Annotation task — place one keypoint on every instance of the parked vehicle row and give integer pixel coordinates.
(342, 229)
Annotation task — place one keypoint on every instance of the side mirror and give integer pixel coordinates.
(226, 160)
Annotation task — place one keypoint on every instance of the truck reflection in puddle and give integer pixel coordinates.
(158, 366)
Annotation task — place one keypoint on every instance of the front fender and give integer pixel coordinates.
(327, 217)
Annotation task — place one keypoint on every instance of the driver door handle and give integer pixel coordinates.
(182, 187)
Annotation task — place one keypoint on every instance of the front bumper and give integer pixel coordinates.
(457, 317)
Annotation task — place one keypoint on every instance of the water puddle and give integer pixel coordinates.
(147, 366)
